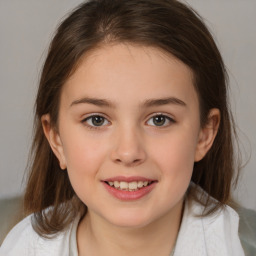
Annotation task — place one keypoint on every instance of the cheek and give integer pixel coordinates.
(84, 158)
(175, 160)
(84, 155)
(175, 155)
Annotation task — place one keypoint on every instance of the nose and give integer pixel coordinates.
(128, 147)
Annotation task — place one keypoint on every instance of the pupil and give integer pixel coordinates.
(159, 120)
(97, 120)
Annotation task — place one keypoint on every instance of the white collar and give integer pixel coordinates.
(213, 235)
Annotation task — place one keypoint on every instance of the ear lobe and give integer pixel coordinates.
(54, 140)
(207, 134)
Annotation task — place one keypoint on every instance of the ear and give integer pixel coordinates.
(54, 140)
(207, 134)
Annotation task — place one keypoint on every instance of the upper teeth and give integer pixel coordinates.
(134, 185)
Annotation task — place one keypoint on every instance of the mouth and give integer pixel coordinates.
(129, 186)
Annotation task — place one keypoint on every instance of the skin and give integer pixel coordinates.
(130, 143)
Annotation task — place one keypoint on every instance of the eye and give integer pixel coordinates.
(95, 121)
(160, 120)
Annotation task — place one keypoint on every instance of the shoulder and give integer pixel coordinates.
(224, 219)
(196, 206)
(19, 238)
(214, 234)
(221, 231)
(220, 226)
(23, 240)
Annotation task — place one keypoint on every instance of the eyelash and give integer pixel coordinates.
(85, 120)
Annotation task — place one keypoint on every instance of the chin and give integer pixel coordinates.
(130, 220)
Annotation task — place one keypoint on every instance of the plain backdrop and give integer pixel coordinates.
(26, 27)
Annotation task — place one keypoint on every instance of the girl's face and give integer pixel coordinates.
(129, 133)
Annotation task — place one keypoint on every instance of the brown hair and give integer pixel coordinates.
(166, 24)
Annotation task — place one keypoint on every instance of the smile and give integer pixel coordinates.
(129, 186)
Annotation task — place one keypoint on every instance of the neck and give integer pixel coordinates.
(96, 236)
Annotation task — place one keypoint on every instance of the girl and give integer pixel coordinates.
(132, 151)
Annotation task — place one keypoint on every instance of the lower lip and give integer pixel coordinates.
(129, 195)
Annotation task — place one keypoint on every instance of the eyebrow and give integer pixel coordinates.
(145, 104)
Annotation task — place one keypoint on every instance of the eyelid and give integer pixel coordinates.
(84, 121)
(167, 116)
(94, 114)
(161, 114)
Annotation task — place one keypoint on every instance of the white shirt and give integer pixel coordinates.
(215, 235)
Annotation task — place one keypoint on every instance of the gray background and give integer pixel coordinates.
(26, 27)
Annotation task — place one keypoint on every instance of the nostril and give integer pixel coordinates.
(128, 162)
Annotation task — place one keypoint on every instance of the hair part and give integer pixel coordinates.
(165, 24)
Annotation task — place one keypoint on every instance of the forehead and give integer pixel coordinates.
(130, 72)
